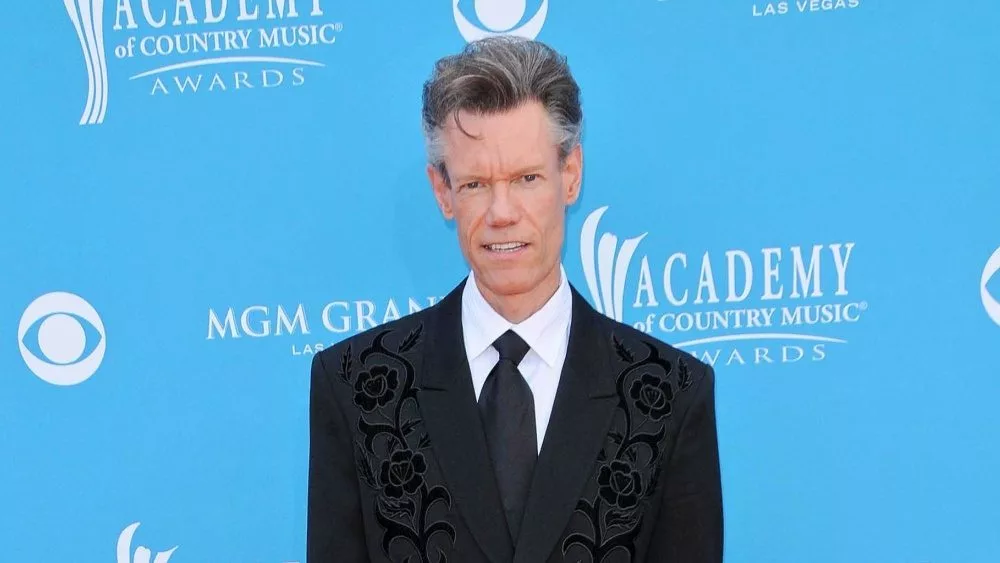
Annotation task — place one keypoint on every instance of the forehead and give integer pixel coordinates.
(499, 142)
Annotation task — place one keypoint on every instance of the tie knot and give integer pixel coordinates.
(511, 347)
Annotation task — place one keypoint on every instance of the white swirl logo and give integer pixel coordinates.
(142, 553)
(500, 18)
(606, 273)
(53, 338)
(990, 302)
(88, 19)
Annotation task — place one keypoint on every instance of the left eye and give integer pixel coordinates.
(530, 177)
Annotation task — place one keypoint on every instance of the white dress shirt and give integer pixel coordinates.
(546, 332)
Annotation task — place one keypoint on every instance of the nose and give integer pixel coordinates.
(504, 210)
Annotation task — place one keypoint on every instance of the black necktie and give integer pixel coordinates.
(507, 408)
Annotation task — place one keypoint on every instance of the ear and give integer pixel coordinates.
(442, 191)
(572, 174)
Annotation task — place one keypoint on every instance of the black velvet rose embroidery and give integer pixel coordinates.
(376, 387)
(620, 484)
(389, 451)
(629, 463)
(404, 471)
(652, 396)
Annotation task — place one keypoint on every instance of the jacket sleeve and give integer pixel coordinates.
(689, 526)
(335, 526)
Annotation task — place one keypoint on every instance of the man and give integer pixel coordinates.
(510, 422)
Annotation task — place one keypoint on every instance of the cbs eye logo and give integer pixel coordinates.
(500, 17)
(62, 338)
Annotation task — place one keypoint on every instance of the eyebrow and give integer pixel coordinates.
(467, 177)
(529, 169)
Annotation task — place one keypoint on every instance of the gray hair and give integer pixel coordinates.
(495, 75)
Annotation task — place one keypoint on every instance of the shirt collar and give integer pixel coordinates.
(482, 325)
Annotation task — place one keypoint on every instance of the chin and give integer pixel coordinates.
(508, 282)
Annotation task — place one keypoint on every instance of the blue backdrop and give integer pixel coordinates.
(198, 195)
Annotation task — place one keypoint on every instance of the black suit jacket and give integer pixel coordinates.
(399, 470)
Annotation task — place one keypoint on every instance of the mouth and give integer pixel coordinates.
(506, 247)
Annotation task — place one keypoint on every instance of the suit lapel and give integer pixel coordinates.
(581, 416)
(448, 404)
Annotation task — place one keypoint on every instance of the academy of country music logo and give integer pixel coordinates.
(61, 338)
(991, 303)
(499, 17)
(310, 328)
(182, 47)
(737, 307)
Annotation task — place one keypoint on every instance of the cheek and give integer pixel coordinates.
(468, 218)
(554, 222)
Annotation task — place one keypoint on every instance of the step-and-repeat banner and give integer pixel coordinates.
(198, 195)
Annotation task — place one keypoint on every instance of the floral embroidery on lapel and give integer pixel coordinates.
(628, 465)
(390, 459)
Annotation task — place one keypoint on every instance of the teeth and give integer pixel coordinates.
(505, 246)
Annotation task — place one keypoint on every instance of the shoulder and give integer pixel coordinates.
(397, 332)
(365, 370)
(382, 351)
(630, 346)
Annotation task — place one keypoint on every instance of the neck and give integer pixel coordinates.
(518, 307)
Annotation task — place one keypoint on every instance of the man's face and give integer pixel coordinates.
(508, 194)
